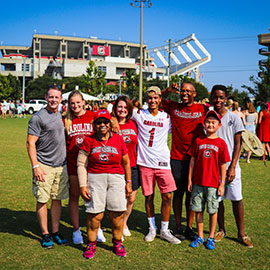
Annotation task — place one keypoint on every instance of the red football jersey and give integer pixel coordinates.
(105, 156)
(187, 125)
(209, 154)
(129, 133)
(80, 128)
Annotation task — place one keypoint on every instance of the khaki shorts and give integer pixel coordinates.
(200, 196)
(55, 187)
(106, 191)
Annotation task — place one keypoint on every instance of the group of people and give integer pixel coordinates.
(263, 129)
(107, 157)
(256, 122)
(12, 108)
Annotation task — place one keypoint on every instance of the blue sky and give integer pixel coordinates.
(228, 29)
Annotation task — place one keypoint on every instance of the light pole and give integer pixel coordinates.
(169, 63)
(23, 83)
(141, 4)
(120, 86)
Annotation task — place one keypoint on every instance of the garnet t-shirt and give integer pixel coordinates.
(80, 128)
(105, 156)
(209, 154)
(187, 125)
(129, 133)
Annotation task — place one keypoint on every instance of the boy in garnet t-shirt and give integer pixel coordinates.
(209, 155)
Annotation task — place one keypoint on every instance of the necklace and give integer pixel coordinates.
(103, 142)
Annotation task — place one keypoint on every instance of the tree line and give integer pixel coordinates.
(93, 82)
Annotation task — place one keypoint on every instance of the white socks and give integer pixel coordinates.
(164, 225)
(152, 223)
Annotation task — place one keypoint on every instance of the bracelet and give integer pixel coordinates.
(35, 166)
(223, 182)
(129, 181)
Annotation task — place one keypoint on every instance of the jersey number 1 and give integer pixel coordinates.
(152, 132)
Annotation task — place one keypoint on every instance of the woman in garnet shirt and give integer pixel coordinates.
(77, 125)
(105, 181)
(122, 110)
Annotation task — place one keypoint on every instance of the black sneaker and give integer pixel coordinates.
(190, 234)
(59, 239)
(46, 241)
(180, 233)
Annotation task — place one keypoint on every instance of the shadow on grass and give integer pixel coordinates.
(137, 220)
(20, 223)
(25, 223)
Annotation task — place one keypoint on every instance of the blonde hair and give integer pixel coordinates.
(70, 114)
(251, 108)
(229, 102)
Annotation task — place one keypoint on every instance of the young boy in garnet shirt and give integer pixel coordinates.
(209, 155)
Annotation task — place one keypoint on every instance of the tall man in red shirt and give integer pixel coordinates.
(187, 124)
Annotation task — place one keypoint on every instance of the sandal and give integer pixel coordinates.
(219, 236)
(246, 241)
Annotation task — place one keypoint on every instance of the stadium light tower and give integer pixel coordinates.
(141, 4)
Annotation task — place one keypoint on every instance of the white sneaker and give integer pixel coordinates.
(77, 237)
(126, 232)
(167, 235)
(100, 236)
(151, 235)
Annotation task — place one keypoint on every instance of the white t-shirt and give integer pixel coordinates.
(109, 107)
(231, 124)
(5, 106)
(153, 150)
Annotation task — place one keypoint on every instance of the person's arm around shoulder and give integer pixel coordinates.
(32, 152)
(82, 162)
(126, 166)
(190, 173)
(260, 117)
(235, 156)
(222, 177)
(115, 125)
(243, 117)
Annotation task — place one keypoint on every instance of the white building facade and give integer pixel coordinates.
(62, 56)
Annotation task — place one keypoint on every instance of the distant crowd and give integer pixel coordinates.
(12, 109)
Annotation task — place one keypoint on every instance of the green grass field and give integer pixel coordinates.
(20, 235)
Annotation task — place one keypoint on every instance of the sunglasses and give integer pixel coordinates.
(186, 91)
(100, 121)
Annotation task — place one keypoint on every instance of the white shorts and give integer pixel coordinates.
(233, 191)
(106, 191)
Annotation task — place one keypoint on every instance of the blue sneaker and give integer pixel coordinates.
(210, 244)
(59, 239)
(46, 241)
(198, 242)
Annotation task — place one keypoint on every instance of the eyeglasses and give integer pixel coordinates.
(100, 121)
(186, 91)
